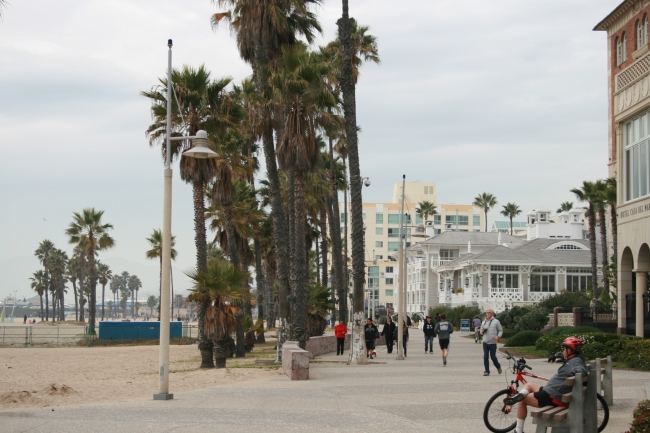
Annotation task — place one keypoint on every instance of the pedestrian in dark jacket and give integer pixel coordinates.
(389, 332)
(437, 318)
(429, 333)
(443, 330)
(405, 335)
(372, 333)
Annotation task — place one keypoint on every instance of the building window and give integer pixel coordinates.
(504, 281)
(636, 166)
(577, 283)
(437, 219)
(393, 218)
(379, 218)
(448, 254)
(567, 247)
(431, 188)
(389, 292)
(373, 271)
(379, 230)
(363, 216)
(450, 219)
(379, 244)
(426, 190)
(504, 268)
(418, 219)
(389, 282)
(389, 269)
(639, 35)
(394, 233)
(463, 220)
(476, 220)
(619, 55)
(343, 217)
(393, 246)
(624, 48)
(436, 231)
(379, 257)
(645, 29)
(543, 279)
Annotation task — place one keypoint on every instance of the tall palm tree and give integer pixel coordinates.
(72, 274)
(565, 206)
(588, 194)
(39, 284)
(155, 242)
(104, 275)
(364, 48)
(134, 285)
(151, 302)
(510, 211)
(425, 209)
(610, 200)
(223, 287)
(88, 231)
(125, 293)
(56, 265)
(116, 281)
(486, 201)
(43, 251)
(600, 205)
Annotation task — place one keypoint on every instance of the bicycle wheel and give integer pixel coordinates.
(602, 412)
(499, 417)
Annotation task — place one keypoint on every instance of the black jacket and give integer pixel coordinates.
(389, 331)
(428, 328)
(371, 332)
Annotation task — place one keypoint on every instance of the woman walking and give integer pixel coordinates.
(389, 334)
(405, 336)
(339, 331)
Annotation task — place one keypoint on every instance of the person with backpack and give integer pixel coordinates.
(372, 333)
(339, 332)
(443, 330)
(428, 329)
(389, 332)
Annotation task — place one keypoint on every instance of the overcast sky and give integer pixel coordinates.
(503, 96)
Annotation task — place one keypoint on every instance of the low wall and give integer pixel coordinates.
(563, 319)
(317, 346)
(295, 361)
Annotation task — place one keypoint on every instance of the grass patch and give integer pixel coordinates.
(529, 352)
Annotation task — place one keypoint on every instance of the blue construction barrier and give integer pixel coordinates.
(137, 330)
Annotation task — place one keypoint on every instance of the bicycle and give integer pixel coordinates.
(501, 418)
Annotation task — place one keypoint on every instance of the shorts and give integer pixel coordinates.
(370, 344)
(543, 399)
(444, 343)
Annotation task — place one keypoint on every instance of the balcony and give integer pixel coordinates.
(435, 262)
(510, 294)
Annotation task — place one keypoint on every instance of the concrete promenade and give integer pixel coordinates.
(416, 395)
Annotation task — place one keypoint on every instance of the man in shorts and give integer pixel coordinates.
(551, 394)
(443, 330)
(372, 333)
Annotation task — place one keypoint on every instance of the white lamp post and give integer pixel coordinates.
(200, 151)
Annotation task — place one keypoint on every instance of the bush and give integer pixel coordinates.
(455, 314)
(534, 320)
(524, 338)
(570, 330)
(508, 318)
(641, 421)
(507, 333)
(566, 300)
(635, 354)
(615, 345)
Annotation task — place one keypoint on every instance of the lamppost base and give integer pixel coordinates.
(400, 358)
(163, 396)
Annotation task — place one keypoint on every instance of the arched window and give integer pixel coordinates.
(639, 35)
(619, 58)
(645, 29)
(624, 48)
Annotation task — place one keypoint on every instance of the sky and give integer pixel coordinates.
(502, 96)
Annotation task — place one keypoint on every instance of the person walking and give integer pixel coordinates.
(476, 323)
(339, 332)
(25, 320)
(372, 333)
(492, 332)
(389, 332)
(436, 318)
(428, 328)
(405, 335)
(443, 330)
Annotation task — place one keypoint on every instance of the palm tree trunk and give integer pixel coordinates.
(485, 211)
(299, 276)
(592, 247)
(603, 241)
(136, 301)
(323, 243)
(510, 225)
(93, 289)
(259, 282)
(62, 298)
(103, 292)
(220, 352)
(349, 107)
(159, 288)
(234, 259)
(345, 282)
(318, 264)
(76, 303)
(334, 218)
(42, 314)
(54, 301)
(614, 221)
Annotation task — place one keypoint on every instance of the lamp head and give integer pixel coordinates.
(169, 43)
(366, 182)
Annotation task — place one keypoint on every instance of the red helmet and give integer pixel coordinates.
(573, 343)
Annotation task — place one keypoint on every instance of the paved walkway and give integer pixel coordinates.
(417, 394)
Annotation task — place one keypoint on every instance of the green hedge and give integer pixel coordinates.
(565, 300)
(455, 314)
(508, 333)
(641, 421)
(571, 330)
(524, 338)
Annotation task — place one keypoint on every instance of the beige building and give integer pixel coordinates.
(628, 69)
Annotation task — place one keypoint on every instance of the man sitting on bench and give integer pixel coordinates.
(551, 394)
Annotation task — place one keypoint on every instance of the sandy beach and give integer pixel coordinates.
(51, 377)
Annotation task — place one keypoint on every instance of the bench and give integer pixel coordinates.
(295, 361)
(605, 386)
(580, 416)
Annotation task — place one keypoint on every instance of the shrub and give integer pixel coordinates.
(551, 343)
(636, 354)
(524, 338)
(507, 333)
(455, 314)
(596, 350)
(641, 421)
(534, 320)
(509, 317)
(570, 330)
(566, 300)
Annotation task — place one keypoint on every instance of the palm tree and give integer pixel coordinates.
(125, 293)
(600, 206)
(425, 209)
(588, 194)
(364, 48)
(72, 274)
(134, 285)
(104, 275)
(155, 241)
(223, 287)
(565, 206)
(151, 302)
(486, 201)
(116, 281)
(39, 284)
(510, 211)
(610, 200)
(87, 231)
(43, 251)
(56, 264)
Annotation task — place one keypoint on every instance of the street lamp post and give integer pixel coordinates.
(200, 151)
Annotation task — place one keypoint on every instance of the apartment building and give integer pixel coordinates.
(628, 152)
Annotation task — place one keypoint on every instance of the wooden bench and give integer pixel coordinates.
(605, 385)
(580, 416)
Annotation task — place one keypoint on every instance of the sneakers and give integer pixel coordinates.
(370, 356)
(430, 353)
(486, 373)
(444, 360)
(499, 370)
(514, 399)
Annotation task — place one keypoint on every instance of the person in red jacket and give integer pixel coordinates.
(339, 331)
